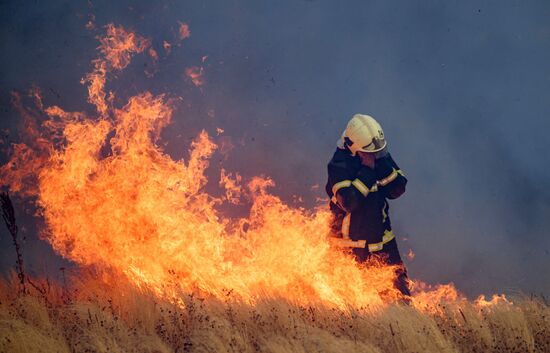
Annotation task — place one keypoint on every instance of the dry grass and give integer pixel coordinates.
(96, 317)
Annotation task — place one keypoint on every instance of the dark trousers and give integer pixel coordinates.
(388, 255)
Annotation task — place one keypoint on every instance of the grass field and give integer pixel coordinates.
(94, 316)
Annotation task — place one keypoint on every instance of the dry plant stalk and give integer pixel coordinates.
(115, 316)
(9, 218)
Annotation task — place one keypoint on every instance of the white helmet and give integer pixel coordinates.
(363, 133)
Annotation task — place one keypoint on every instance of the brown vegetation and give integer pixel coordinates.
(95, 316)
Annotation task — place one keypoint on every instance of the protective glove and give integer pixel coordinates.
(383, 167)
(367, 176)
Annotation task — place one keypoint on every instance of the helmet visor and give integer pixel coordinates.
(377, 144)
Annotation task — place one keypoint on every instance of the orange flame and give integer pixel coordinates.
(496, 299)
(141, 213)
(429, 298)
(232, 186)
(31, 154)
(146, 215)
(195, 73)
(153, 54)
(184, 31)
(167, 47)
(117, 48)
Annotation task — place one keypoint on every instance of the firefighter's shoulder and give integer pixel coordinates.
(341, 159)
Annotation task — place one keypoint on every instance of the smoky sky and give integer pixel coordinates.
(461, 88)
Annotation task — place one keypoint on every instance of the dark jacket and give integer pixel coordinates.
(362, 193)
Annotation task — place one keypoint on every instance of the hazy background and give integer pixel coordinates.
(462, 89)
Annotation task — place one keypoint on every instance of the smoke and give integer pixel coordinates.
(459, 88)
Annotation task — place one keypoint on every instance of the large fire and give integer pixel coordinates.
(113, 199)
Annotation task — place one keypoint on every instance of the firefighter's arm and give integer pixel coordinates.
(348, 193)
(391, 180)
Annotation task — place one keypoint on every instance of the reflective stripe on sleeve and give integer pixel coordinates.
(339, 185)
(359, 185)
(393, 175)
(363, 189)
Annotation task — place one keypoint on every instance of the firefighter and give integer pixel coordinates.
(362, 176)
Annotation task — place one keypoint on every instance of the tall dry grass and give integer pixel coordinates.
(95, 316)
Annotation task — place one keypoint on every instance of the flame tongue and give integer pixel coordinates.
(143, 214)
(146, 215)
